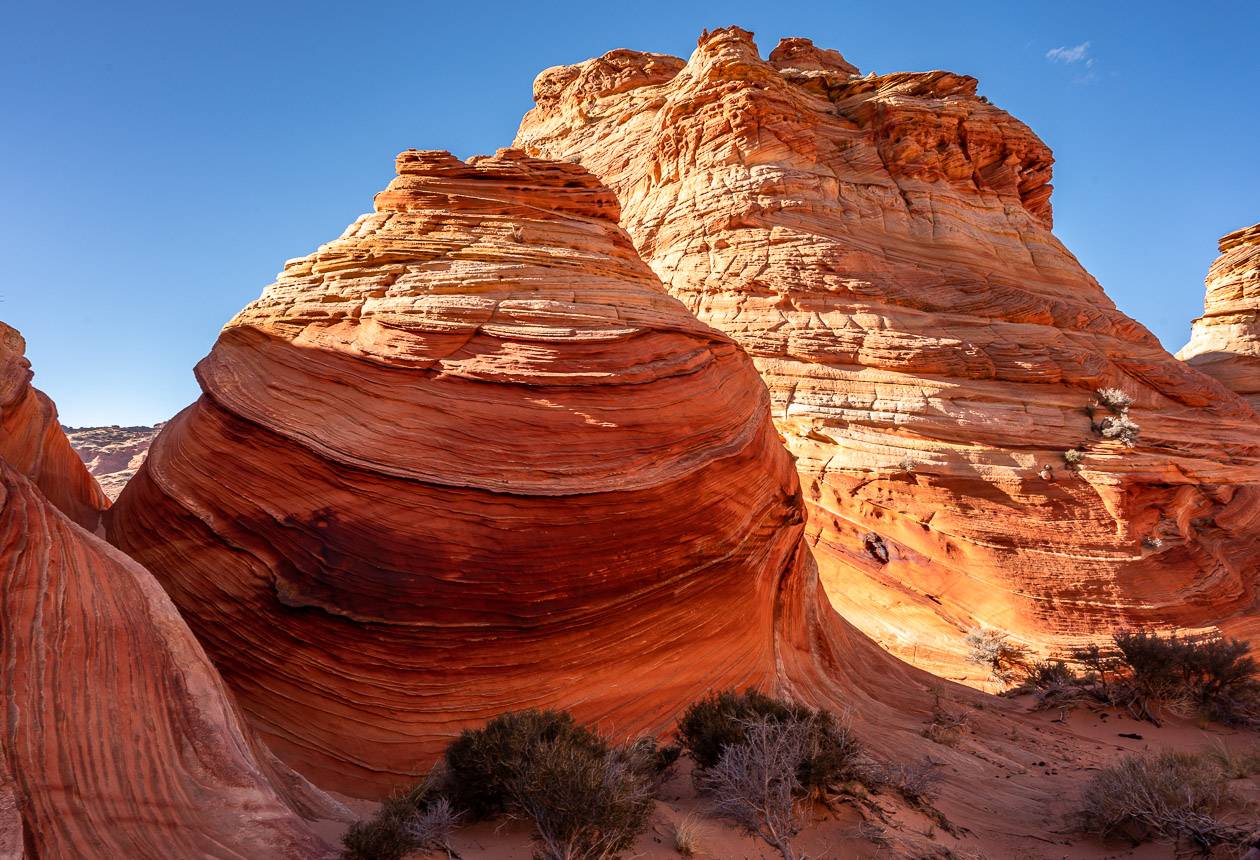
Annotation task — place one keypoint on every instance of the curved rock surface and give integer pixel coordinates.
(470, 457)
(882, 246)
(121, 740)
(1225, 341)
(32, 441)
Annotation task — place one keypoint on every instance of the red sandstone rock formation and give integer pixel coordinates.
(1225, 341)
(112, 454)
(466, 458)
(32, 441)
(121, 740)
(881, 245)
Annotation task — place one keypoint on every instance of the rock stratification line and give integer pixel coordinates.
(466, 458)
(881, 246)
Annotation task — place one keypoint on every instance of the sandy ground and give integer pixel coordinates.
(883, 825)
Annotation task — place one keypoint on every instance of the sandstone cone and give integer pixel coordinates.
(32, 441)
(121, 740)
(881, 245)
(466, 458)
(1225, 341)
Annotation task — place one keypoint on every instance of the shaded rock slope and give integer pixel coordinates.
(120, 738)
(881, 245)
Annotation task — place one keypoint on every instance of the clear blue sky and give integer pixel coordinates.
(159, 161)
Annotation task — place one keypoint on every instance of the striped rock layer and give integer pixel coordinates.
(471, 457)
(881, 245)
(1225, 341)
(120, 740)
(32, 442)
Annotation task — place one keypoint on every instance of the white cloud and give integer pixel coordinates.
(1075, 54)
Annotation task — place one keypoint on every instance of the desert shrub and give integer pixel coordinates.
(584, 805)
(915, 781)
(1073, 457)
(948, 724)
(688, 834)
(907, 464)
(389, 834)
(832, 753)
(1160, 795)
(587, 799)
(1114, 399)
(1122, 428)
(484, 763)
(1216, 675)
(431, 829)
(754, 781)
(993, 650)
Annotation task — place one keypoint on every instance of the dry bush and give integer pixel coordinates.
(833, 754)
(948, 724)
(1073, 458)
(754, 782)
(388, 835)
(431, 830)
(1161, 795)
(583, 806)
(915, 781)
(1114, 399)
(688, 834)
(1122, 428)
(994, 650)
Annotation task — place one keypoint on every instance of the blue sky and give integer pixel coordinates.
(159, 162)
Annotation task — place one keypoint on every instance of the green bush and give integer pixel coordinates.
(720, 720)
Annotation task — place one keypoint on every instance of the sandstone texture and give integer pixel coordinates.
(112, 454)
(1225, 341)
(120, 739)
(32, 441)
(471, 457)
(881, 245)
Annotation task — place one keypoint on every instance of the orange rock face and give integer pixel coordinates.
(32, 441)
(121, 740)
(470, 457)
(1225, 341)
(881, 245)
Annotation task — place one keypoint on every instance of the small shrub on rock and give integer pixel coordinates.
(1116, 400)
(993, 650)
(1122, 428)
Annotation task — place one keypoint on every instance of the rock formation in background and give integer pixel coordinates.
(881, 245)
(32, 442)
(1225, 341)
(466, 458)
(112, 454)
(121, 740)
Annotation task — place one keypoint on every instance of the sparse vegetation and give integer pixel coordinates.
(994, 650)
(948, 724)
(907, 464)
(832, 754)
(1165, 795)
(391, 833)
(1118, 425)
(915, 781)
(754, 782)
(1148, 674)
(1072, 458)
(587, 799)
(688, 834)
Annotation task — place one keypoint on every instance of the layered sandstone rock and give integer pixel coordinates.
(1225, 341)
(470, 457)
(32, 441)
(112, 454)
(120, 739)
(881, 245)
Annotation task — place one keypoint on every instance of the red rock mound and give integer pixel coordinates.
(32, 442)
(1225, 341)
(466, 458)
(121, 740)
(881, 245)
